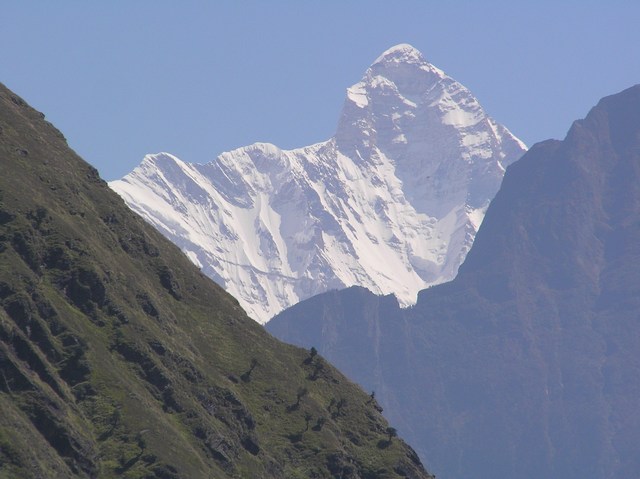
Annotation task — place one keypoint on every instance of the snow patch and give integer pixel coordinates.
(358, 95)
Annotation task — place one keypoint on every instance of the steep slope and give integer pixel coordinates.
(407, 177)
(118, 358)
(526, 365)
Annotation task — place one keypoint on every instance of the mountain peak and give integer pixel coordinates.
(160, 157)
(402, 52)
(275, 226)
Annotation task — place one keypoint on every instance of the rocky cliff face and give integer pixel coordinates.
(527, 364)
(407, 177)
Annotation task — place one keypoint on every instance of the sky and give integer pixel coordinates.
(122, 79)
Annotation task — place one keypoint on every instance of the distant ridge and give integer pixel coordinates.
(527, 364)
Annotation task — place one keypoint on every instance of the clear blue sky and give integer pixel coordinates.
(194, 78)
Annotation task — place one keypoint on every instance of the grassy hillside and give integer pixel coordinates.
(119, 359)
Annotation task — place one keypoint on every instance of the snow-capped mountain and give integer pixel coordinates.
(392, 202)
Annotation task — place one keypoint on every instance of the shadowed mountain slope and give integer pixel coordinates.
(526, 365)
(118, 358)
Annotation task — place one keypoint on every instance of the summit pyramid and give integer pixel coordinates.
(391, 202)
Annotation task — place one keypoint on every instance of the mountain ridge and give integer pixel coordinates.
(526, 364)
(119, 358)
(407, 177)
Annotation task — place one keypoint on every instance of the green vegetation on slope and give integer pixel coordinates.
(118, 358)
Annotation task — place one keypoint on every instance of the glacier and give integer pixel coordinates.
(392, 202)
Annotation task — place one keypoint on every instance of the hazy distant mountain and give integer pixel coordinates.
(392, 202)
(118, 358)
(527, 365)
